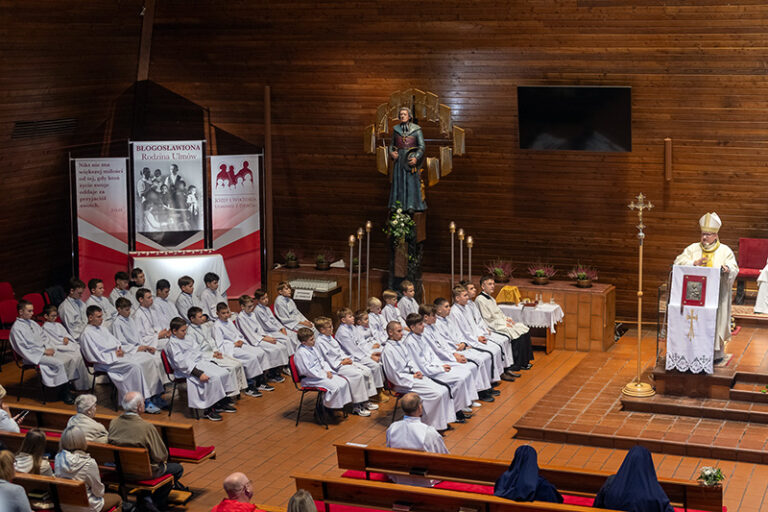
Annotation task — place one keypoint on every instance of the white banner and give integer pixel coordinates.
(168, 194)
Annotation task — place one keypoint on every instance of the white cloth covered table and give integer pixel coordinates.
(173, 267)
(691, 329)
(543, 315)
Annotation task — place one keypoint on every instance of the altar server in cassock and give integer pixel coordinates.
(230, 341)
(276, 353)
(122, 289)
(411, 433)
(460, 382)
(97, 298)
(151, 329)
(405, 376)
(187, 298)
(165, 310)
(72, 310)
(201, 332)
(355, 346)
(270, 323)
(211, 295)
(127, 371)
(207, 383)
(498, 322)
(359, 376)
(286, 310)
(391, 312)
(376, 321)
(709, 252)
(314, 371)
(407, 303)
(446, 352)
(57, 368)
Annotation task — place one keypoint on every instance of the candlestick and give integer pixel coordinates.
(470, 243)
(452, 229)
(351, 264)
(359, 263)
(461, 254)
(368, 226)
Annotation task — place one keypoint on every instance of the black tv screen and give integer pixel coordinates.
(577, 118)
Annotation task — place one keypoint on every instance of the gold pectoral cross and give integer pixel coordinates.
(691, 317)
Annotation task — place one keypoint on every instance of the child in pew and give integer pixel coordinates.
(360, 377)
(391, 312)
(211, 296)
(355, 346)
(187, 299)
(314, 371)
(377, 322)
(121, 289)
(522, 482)
(58, 335)
(97, 298)
(31, 457)
(407, 303)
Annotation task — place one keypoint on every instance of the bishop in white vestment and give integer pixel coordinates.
(709, 252)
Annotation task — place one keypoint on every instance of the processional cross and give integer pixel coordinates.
(691, 317)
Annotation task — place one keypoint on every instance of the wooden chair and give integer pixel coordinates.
(176, 380)
(307, 389)
(753, 253)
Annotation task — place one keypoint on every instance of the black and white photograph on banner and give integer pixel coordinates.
(168, 193)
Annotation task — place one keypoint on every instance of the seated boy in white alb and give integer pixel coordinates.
(138, 280)
(407, 303)
(286, 310)
(165, 310)
(363, 328)
(314, 371)
(391, 312)
(376, 321)
(151, 329)
(186, 298)
(211, 296)
(97, 298)
(59, 338)
(269, 322)
(354, 345)
(276, 352)
(72, 310)
(122, 289)
(207, 383)
(361, 382)
(230, 341)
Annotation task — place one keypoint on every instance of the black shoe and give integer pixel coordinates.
(67, 398)
(487, 398)
(527, 367)
(515, 368)
(495, 384)
(460, 420)
(180, 487)
(225, 408)
(212, 415)
(507, 377)
(513, 374)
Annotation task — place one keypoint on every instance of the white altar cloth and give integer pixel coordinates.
(543, 315)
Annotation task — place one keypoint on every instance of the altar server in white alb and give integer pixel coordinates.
(201, 333)
(355, 346)
(391, 312)
(405, 376)
(122, 289)
(212, 294)
(97, 298)
(58, 336)
(187, 298)
(407, 303)
(269, 322)
(207, 383)
(72, 310)
(361, 382)
(275, 353)
(57, 368)
(498, 322)
(286, 310)
(165, 310)
(411, 433)
(230, 342)
(127, 371)
(138, 280)
(314, 371)
(363, 327)
(709, 252)
(151, 329)
(460, 382)
(376, 321)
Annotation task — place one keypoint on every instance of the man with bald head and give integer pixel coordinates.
(239, 491)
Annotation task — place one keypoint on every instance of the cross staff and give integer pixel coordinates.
(691, 317)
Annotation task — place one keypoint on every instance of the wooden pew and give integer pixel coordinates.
(178, 437)
(388, 496)
(581, 482)
(62, 491)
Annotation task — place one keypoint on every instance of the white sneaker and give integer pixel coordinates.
(370, 406)
(476, 404)
(361, 411)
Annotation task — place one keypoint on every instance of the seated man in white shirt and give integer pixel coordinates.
(231, 342)
(275, 351)
(411, 433)
(405, 376)
(57, 368)
(165, 310)
(97, 298)
(286, 310)
(407, 303)
(122, 289)
(187, 298)
(211, 295)
(207, 383)
(151, 327)
(72, 310)
(355, 346)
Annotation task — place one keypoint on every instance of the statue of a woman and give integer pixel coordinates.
(407, 152)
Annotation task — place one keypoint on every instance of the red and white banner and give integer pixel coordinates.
(102, 217)
(235, 199)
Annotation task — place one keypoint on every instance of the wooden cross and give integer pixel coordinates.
(640, 205)
(691, 317)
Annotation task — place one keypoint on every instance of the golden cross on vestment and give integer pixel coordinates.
(691, 317)
(640, 205)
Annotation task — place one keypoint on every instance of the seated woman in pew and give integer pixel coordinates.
(31, 456)
(522, 482)
(86, 411)
(74, 462)
(13, 498)
(634, 487)
(7, 422)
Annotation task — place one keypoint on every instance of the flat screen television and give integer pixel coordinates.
(575, 118)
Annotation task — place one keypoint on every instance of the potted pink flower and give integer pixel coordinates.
(541, 273)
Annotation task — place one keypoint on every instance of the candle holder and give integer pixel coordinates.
(368, 226)
(461, 254)
(351, 270)
(470, 243)
(452, 229)
(359, 264)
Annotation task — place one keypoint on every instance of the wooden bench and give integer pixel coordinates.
(470, 470)
(347, 492)
(60, 491)
(178, 437)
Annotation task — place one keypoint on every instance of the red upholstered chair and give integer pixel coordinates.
(391, 388)
(176, 381)
(753, 254)
(6, 291)
(37, 300)
(304, 390)
(8, 314)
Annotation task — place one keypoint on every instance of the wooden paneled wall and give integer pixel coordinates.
(697, 70)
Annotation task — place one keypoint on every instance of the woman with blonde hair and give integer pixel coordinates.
(31, 456)
(301, 501)
(13, 498)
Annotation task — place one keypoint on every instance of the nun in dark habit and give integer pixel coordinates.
(521, 482)
(634, 487)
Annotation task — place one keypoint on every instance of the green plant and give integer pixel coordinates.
(542, 270)
(710, 476)
(324, 256)
(290, 255)
(400, 225)
(582, 272)
(500, 269)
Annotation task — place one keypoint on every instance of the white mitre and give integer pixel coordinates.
(710, 223)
